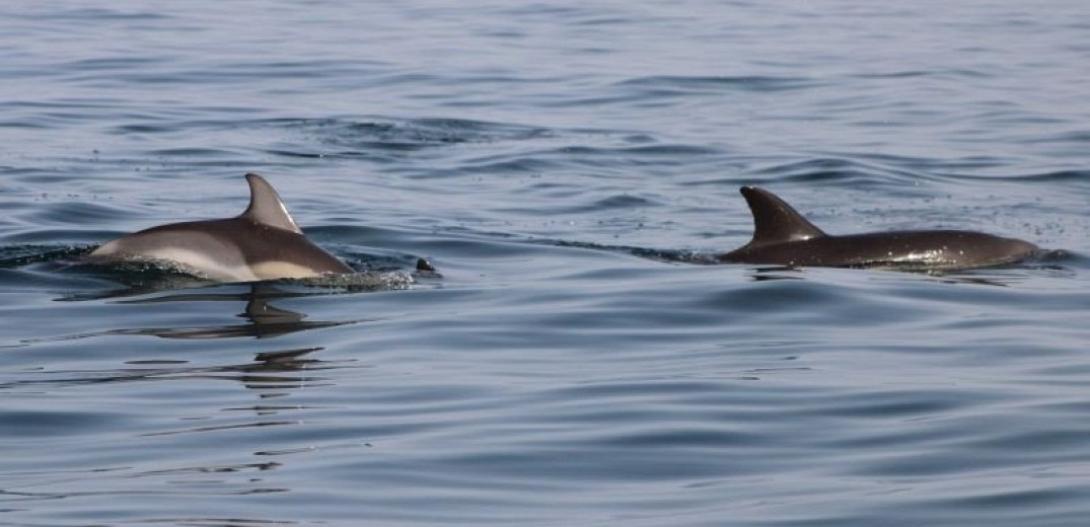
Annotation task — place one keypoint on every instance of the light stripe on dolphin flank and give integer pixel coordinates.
(274, 270)
(200, 263)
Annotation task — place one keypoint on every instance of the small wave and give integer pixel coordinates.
(24, 125)
(118, 63)
(908, 74)
(413, 134)
(12, 256)
(661, 255)
(1057, 176)
(362, 281)
(663, 150)
(611, 157)
(1077, 136)
(280, 366)
(836, 170)
(1058, 260)
(194, 152)
(615, 202)
(623, 201)
(687, 85)
(74, 213)
(154, 271)
(102, 14)
(144, 276)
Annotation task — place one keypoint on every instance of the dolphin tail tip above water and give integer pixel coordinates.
(262, 243)
(782, 236)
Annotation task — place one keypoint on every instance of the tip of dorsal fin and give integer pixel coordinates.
(266, 207)
(774, 221)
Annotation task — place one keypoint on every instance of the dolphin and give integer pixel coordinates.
(263, 243)
(781, 236)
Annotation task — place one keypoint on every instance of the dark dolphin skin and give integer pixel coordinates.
(263, 243)
(783, 237)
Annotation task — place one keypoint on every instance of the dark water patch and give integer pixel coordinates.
(522, 164)
(569, 157)
(68, 103)
(668, 85)
(1060, 256)
(20, 281)
(202, 153)
(28, 124)
(930, 165)
(272, 76)
(1017, 501)
(612, 203)
(27, 423)
(73, 212)
(645, 151)
(101, 14)
(415, 133)
(1055, 441)
(896, 404)
(662, 255)
(164, 121)
(1080, 137)
(12, 256)
(939, 73)
(594, 391)
(144, 128)
(624, 201)
(309, 155)
(313, 67)
(118, 63)
(773, 300)
(1076, 177)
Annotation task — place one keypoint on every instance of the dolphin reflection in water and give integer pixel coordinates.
(783, 237)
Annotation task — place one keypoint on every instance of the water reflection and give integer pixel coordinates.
(263, 319)
(762, 274)
(996, 277)
(270, 372)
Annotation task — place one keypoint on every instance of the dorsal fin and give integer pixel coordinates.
(266, 207)
(774, 221)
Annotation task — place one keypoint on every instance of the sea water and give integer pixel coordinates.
(561, 164)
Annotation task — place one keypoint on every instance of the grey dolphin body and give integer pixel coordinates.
(263, 243)
(783, 237)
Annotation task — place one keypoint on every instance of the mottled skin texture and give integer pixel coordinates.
(783, 237)
(263, 243)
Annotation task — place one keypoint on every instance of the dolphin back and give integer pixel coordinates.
(263, 243)
(783, 237)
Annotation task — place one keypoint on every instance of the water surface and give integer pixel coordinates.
(558, 163)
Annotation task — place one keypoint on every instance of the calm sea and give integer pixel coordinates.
(557, 162)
